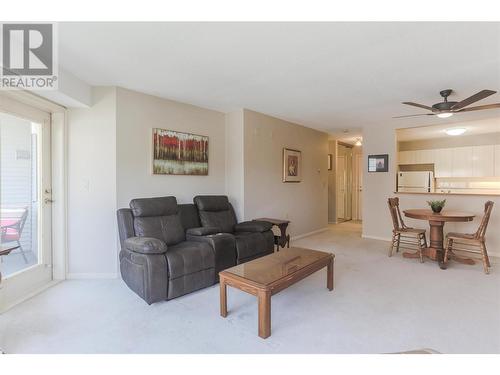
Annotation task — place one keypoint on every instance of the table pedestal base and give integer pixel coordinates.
(435, 251)
(430, 253)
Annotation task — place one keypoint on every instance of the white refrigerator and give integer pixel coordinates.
(416, 182)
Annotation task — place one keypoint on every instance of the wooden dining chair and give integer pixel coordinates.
(474, 243)
(410, 238)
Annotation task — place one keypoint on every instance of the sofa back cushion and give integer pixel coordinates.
(158, 218)
(189, 216)
(216, 211)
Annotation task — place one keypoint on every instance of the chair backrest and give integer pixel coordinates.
(216, 211)
(157, 218)
(397, 220)
(19, 214)
(481, 231)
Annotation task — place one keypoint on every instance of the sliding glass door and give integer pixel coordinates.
(25, 201)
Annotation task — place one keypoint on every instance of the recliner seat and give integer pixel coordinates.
(156, 260)
(253, 238)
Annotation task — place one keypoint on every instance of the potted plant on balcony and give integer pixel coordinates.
(436, 206)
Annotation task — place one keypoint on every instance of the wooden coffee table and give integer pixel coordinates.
(270, 274)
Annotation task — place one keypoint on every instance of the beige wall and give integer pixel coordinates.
(109, 151)
(137, 115)
(304, 203)
(92, 187)
(379, 186)
(235, 161)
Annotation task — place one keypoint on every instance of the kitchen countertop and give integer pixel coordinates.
(438, 193)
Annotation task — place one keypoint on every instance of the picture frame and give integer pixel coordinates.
(378, 163)
(292, 165)
(179, 153)
(329, 162)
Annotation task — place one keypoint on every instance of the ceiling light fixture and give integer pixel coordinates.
(358, 142)
(444, 114)
(455, 131)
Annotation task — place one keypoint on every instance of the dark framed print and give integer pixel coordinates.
(292, 165)
(378, 163)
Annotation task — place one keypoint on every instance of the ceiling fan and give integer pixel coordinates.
(447, 109)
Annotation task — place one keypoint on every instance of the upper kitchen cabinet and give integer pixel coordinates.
(443, 162)
(461, 164)
(406, 157)
(483, 161)
(425, 156)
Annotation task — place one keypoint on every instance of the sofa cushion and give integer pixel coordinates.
(161, 206)
(253, 226)
(250, 244)
(188, 257)
(212, 202)
(202, 231)
(224, 220)
(189, 216)
(166, 228)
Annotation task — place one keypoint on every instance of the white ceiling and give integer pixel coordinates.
(329, 76)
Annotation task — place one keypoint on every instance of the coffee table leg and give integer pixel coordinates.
(329, 275)
(264, 298)
(223, 298)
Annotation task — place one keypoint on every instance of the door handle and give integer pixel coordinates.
(47, 201)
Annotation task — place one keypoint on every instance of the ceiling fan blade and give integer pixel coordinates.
(481, 107)
(421, 114)
(419, 105)
(472, 99)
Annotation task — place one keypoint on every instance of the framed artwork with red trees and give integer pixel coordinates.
(178, 153)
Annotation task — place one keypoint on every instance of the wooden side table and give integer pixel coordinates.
(283, 239)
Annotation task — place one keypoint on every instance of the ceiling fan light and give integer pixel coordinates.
(455, 131)
(444, 114)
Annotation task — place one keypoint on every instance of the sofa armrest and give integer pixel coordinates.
(203, 231)
(145, 245)
(253, 226)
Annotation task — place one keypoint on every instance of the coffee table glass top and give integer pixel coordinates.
(273, 267)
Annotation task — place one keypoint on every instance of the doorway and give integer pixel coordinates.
(348, 182)
(25, 200)
(344, 182)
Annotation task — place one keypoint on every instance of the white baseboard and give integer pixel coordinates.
(82, 276)
(308, 234)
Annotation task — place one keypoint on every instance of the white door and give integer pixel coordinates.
(341, 187)
(358, 187)
(25, 201)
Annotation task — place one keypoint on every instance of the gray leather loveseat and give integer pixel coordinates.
(167, 251)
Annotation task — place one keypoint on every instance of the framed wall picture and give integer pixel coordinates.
(378, 163)
(179, 153)
(292, 165)
(329, 162)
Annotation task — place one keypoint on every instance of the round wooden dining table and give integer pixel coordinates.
(435, 251)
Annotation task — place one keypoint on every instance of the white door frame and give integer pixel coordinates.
(10, 100)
